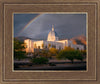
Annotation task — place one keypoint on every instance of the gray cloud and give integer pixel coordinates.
(66, 25)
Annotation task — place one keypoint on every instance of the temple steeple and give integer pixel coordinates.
(52, 36)
(52, 27)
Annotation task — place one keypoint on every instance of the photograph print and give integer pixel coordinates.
(50, 41)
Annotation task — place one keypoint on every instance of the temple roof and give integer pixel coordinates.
(52, 34)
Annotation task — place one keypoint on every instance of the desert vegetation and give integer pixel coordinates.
(43, 56)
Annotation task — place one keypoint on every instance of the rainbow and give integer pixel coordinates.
(26, 26)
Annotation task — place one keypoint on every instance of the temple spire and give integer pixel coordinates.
(52, 27)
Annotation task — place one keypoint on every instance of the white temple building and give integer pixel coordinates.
(52, 41)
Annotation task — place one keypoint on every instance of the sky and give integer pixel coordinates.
(37, 26)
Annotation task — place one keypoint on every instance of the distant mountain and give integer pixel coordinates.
(22, 38)
(79, 40)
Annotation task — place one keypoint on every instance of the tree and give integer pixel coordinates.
(68, 48)
(40, 60)
(35, 54)
(44, 53)
(70, 54)
(64, 54)
(19, 55)
(79, 55)
(49, 55)
(54, 51)
(83, 53)
(19, 48)
(49, 45)
(18, 45)
(61, 55)
(42, 45)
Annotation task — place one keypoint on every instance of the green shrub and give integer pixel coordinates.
(19, 55)
(40, 60)
(70, 54)
(19, 47)
(79, 56)
(52, 64)
(54, 51)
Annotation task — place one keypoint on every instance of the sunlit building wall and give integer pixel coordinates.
(52, 41)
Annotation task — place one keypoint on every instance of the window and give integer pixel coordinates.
(53, 46)
(59, 47)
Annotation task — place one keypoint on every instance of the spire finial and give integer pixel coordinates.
(52, 27)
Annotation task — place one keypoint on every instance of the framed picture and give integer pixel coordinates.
(50, 47)
(49, 42)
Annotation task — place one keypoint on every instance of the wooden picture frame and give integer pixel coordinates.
(91, 76)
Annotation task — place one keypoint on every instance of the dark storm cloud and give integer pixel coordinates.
(20, 20)
(66, 25)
